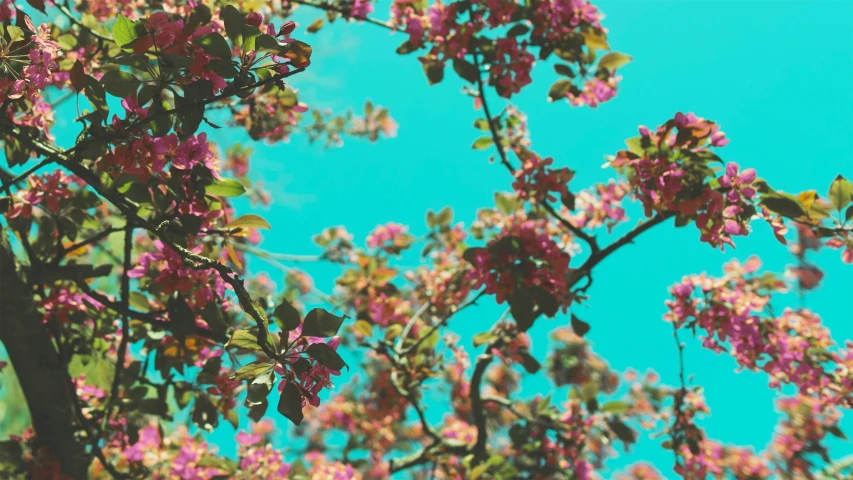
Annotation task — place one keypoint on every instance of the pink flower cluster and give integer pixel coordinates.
(716, 460)
(314, 379)
(792, 348)
(536, 260)
(385, 310)
(556, 19)
(511, 70)
(391, 237)
(46, 190)
(42, 64)
(668, 169)
(537, 181)
(171, 275)
(600, 206)
(63, 302)
(261, 459)
(807, 422)
(595, 92)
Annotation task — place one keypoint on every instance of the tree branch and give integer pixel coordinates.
(38, 366)
(498, 141)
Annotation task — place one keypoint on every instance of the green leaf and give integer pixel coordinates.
(531, 365)
(214, 44)
(835, 431)
(579, 326)
(224, 68)
(518, 29)
(290, 403)
(99, 371)
(15, 34)
(315, 26)
(484, 338)
(124, 31)
(301, 366)
(320, 323)
(205, 415)
(66, 41)
(286, 316)
(467, 70)
(243, 339)
(120, 84)
(558, 90)
(37, 4)
(77, 77)
(139, 301)
(615, 407)
(783, 205)
(268, 43)
(248, 221)
(219, 463)
(521, 305)
(564, 70)
(614, 60)
(545, 301)
(234, 21)
(174, 61)
(364, 328)
(840, 192)
(589, 390)
(190, 120)
(482, 143)
(622, 431)
(327, 356)
(250, 34)
(162, 122)
(251, 370)
(97, 97)
(393, 331)
(257, 393)
(595, 39)
(147, 93)
(507, 203)
(227, 187)
(431, 341)
(444, 217)
(11, 457)
(434, 72)
(406, 48)
(481, 124)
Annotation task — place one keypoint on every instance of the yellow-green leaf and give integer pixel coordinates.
(614, 60)
(249, 221)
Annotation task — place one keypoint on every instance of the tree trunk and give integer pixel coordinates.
(38, 366)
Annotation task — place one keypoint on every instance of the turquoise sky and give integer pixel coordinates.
(777, 75)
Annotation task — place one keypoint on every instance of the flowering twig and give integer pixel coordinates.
(497, 140)
(676, 431)
(125, 330)
(346, 13)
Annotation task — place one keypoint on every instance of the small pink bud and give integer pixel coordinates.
(731, 169)
(254, 19)
(287, 28)
(747, 176)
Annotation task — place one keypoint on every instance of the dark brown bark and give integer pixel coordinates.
(38, 366)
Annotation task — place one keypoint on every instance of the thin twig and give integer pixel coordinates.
(344, 12)
(125, 331)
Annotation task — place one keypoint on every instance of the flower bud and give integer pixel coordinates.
(287, 28)
(254, 19)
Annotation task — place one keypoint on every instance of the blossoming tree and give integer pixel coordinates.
(127, 310)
